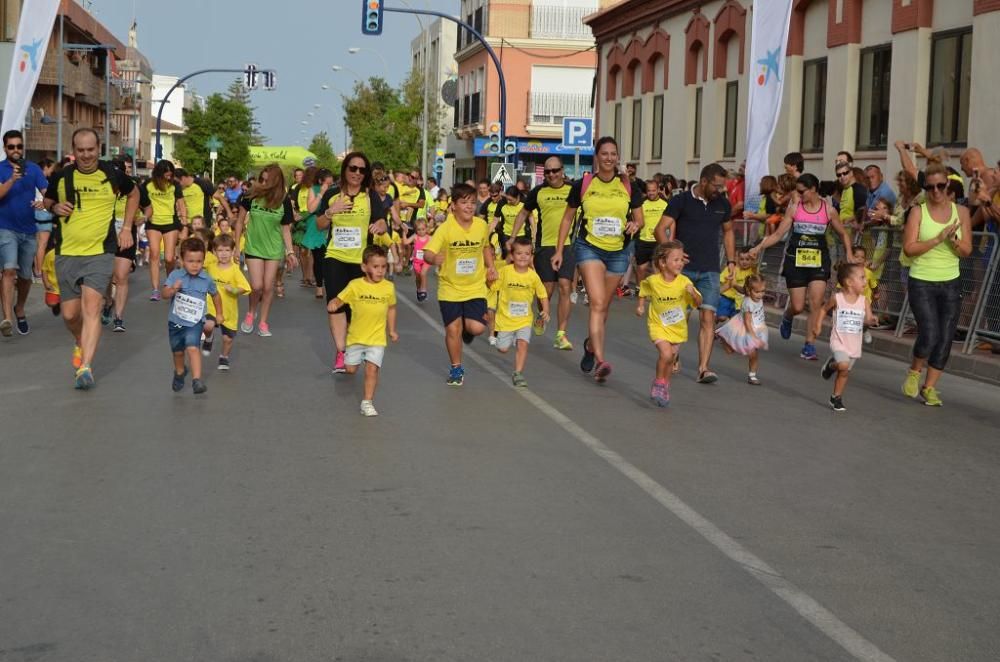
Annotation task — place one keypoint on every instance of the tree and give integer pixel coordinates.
(237, 92)
(385, 122)
(228, 119)
(325, 156)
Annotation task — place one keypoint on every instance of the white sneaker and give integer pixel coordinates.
(573, 296)
(868, 337)
(493, 341)
(367, 408)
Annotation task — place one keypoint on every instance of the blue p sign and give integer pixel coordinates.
(578, 132)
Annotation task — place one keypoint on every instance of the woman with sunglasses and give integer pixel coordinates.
(937, 234)
(162, 202)
(612, 212)
(806, 267)
(355, 214)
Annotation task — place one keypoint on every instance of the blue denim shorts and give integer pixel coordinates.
(182, 337)
(707, 283)
(17, 251)
(616, 262)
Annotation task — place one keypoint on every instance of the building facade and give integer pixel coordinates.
(434, 48)
(859, 75)
(181, 99)
(548, 60)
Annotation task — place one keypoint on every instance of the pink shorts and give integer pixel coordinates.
(419, 266)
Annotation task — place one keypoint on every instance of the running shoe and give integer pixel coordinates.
(808, 352)
(106, 315)
(22, 326)
(224, 363)
(119, 325)
(868, 337)
(539, 326)
(753, 379)
(206, 344)
(837, 403)
(77, 357)
(264, 330)
(930, 396)
(574, 297)
(198, 386)
(6, 328)
(911, 385)
(246, 326)
(518, 379)
(660, 393)
(467, 337)
(155, 295)
(368, 408)
(562, 342)
(421, 297)
(493, 341)
(456, 375)
(828, 369)
(84, 378)
(587, 362)
(602, 372)
(178, 383)
(338, 364)
(786, 327)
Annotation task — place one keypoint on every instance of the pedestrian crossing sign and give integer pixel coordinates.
(503, 173)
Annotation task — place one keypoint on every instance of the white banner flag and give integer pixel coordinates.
(37, 19)
(768, 42)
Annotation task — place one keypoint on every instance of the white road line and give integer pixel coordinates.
(14, 390)
(807, 607)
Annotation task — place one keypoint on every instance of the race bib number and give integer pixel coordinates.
(518, 309)
(188, 308)
(809, 258)
(346, 237)
(672, 316)
(466, 266)
(606, 226)
(850, 321)
(419, 255)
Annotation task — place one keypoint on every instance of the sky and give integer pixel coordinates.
(300, 39)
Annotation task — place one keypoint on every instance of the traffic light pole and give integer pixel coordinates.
(180, 81)
(493, 56)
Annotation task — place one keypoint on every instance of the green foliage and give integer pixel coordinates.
(323, 149)
(230, 119)
(386, 122)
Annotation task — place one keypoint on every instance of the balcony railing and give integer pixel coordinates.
(552, 107)
(561, 20)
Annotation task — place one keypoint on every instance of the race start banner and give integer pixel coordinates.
(768, 42)
(33, 31)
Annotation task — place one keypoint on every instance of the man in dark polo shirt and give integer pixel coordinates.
(698, 218)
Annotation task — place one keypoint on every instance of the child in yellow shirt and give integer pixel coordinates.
(232, 284)
(516, 287)
(732, 282)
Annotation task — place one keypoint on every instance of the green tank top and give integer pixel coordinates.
(940, 263)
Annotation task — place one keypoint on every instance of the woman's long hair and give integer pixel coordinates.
(272, 192)
(159, 174)
(366, 183)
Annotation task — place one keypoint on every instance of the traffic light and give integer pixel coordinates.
(439, 161)
(510, 147)
(493, 141)
(371, 17)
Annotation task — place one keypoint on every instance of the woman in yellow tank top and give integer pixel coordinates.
(937, 234)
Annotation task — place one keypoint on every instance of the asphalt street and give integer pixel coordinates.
(267, 521)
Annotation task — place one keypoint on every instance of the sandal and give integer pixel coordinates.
(707, 377)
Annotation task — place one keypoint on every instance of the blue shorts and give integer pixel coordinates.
(707, 283)
(727, 307)
(182, 337)
(473, 309)
(616, 262)
(17, 251)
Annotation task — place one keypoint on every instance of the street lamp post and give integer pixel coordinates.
(354, 50)
(427, 49)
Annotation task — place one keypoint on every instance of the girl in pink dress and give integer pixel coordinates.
(746, 332)
(851, 311)
(420, 267)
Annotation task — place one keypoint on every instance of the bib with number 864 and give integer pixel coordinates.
(808, 258)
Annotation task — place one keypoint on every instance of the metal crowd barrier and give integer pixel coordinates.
(980, 276)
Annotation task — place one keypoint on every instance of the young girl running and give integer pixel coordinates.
(670, 293)
(420, 266)
(851, 312)
(516, 287)
(746, 333)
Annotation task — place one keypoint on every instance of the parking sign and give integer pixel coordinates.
(578, 132)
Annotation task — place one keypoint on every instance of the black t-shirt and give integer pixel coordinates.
(699, 228)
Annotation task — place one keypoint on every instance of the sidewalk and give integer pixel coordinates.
(981, 366)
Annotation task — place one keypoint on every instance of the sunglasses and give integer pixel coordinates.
(940, 186)
(12, 146)
(353, 168)
(552, 171)
(843, 173)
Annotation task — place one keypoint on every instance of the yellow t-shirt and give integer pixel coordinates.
(668, 304)
(198, 202)
(652, 210)
(163, 203)
(515, 293)
(369, 304)
(349, 230)
(508, 213)
(463, 272)
(223, 276)
(89, 230)
(408, 194)
(740, 281)
(551, 205)
(606, 207)
(302, 200)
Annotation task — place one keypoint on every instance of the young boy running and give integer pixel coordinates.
(516, 287)
(188, 287)
(462, 250)
(372, 299)
(232, 285)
